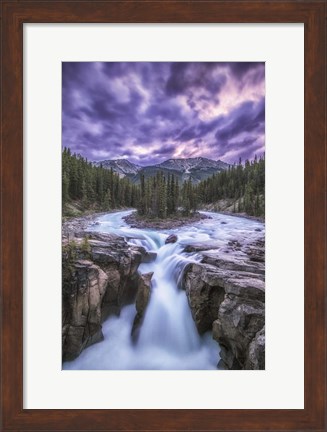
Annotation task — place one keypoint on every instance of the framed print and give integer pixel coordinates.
(163, 215)
(164, 160)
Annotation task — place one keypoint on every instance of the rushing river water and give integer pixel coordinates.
(168, 337)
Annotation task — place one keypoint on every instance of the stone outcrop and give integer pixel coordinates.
(82, 297)
(204, 294)
(256, 352)
(226, 293)
(147, 256)
(141, 303)
(199, 247)
(239, 320)
(100, 275)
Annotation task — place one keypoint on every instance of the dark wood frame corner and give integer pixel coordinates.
(14, 15)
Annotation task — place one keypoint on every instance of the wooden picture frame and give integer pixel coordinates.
(14, 15)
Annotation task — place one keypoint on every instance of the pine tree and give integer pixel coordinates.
(107, 201)
(65, 188)
(94, 187)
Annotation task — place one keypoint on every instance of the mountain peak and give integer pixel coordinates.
(121, 166)
(199, 162)
(196, 169)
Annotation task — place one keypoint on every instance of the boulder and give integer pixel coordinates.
(172, 238)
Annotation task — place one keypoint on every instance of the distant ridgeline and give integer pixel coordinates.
(177, 186)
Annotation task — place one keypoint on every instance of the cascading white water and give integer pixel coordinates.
(168, 338)
(168, 323)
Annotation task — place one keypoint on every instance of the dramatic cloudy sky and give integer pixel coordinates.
(150, 112)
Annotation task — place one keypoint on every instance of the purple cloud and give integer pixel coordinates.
(149, 112)
(247, 118)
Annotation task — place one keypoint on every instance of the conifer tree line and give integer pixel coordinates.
(245, 184)
(162, 196)
(94, 187)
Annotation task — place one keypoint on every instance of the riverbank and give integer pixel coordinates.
(242, 215)
(75, 224)
(80, 223)
(227, 206)
(177, 221)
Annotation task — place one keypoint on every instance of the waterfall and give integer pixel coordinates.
(168, 337)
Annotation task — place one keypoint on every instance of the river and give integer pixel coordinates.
(168, 337)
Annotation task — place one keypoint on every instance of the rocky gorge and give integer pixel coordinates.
(226, 293)
(100, 276)
(223, 282)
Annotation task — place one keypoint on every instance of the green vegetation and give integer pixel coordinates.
(161, 197)
(69, 254)
(245, 184)
(93, 188)
(69, 250)
(89, 188)
(86, 247)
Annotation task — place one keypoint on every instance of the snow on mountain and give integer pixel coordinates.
(121, 166)
(196, 169)
(185, 165)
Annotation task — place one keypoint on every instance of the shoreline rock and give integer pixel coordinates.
(172, 238)
(78, 224)
(75, 224)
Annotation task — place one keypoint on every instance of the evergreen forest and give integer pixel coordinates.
(94, 188)
(90, 188)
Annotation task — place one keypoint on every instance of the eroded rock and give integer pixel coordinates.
(100, 275)
(239, 320)
(82, 296)
(204, 292)
(201, 246)
(142, 301)
(226, 292)
(256, 352)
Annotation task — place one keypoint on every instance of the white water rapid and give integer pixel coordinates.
(168, 337)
